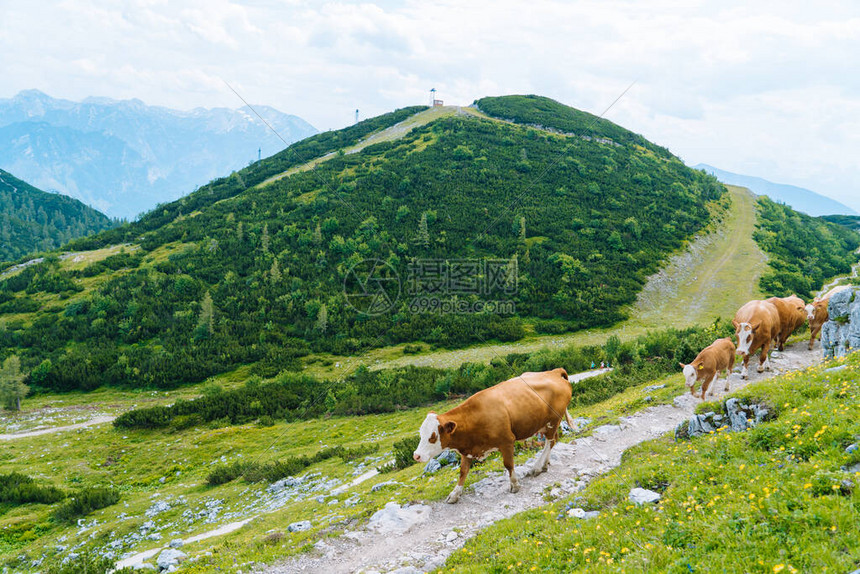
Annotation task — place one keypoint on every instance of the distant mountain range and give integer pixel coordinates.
(798, 198)
(124, 157)
(32, 220)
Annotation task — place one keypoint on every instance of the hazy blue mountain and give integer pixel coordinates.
(124, 157)
(798, 198)
(32, 220)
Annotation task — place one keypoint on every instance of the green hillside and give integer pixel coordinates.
(32, 220)
(580, 223)
(803, 251)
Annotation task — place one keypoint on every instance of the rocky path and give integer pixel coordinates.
(92, 422)
(420, 537)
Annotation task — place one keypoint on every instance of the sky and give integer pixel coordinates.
(768, 89)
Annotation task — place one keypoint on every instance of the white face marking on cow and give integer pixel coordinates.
(429, 430)
(745, 336)
(689, 375)
(810, 312)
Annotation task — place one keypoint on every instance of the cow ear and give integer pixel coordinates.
(682, 365)
(754, 326)
(735, 324)
(449, 427)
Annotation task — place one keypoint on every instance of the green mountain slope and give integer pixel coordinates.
(32, 220)
(239, 272)
(803, 251)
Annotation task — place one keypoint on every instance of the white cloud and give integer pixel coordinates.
(760, 88)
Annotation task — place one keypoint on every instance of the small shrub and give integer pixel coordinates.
(709, 407)
(224, 473)
(19, 488)
(88, 562)
(85, 502)
(266, 421)
(183, 422)
(403, 451)
(273, 538)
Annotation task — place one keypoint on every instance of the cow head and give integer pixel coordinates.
(745, 333)
(810, 312)
(690, 375)
(432, 434)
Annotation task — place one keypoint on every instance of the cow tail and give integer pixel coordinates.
(567, 418)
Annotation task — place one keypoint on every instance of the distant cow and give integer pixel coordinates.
(756, 327)
(816, 312)
(494, 419)
(706, 367)
(792, 314)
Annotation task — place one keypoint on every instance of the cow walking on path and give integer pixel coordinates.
(757, 326)
(494, 419)
(706, 367)
(792, 314)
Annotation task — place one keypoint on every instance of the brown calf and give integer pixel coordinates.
(494, 419)
(756, 327)
(706, 367)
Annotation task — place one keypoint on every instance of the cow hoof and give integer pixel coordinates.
(452, 499)
(515, 488)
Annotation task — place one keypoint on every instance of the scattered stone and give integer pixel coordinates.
(170, 557)
(451, 537)
(643, 496)
(853, 469)
(381, 485)
(157, 508)
(835, 369)
(300, 526)
(143, 566)
(396, 519)
(432, 466)
(176, 543)
(154, 536)
(320, 499)
(576, 513)
(406, 570)
(655, 387)
(282, 484)
(162, 480)
(449, 457)
(852, 447)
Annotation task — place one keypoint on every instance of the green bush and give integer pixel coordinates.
(84, 502)
(21, 489)
(88, 562)
(403, 451)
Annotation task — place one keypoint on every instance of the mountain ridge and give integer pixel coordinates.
(33, 220)
(125, 156)
(799, 198)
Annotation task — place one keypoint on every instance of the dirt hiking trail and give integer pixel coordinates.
(420, 537)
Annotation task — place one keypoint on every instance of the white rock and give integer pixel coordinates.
(452, 536)
(396, 519)
(170, 557)
(576, 513)
(643, 496)
(176, 543)
(299, 526)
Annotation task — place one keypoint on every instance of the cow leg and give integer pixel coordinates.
(763, 359)
(507, 451)
(712, 385)
(465, 464)
(813, 336)
(542, 461)
(745, 374)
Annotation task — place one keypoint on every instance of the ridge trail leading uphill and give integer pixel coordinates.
(423, 539)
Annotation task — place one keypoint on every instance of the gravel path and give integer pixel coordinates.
(92, 422)
(428, 534)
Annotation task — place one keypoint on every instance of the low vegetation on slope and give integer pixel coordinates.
(803, 251)
(565, 228)
(294, 397)
(782, 497)
(32, 220)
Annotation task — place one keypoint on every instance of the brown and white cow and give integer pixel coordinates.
(756, 327)
(494, 419)
(817, 315)
(706, 367)
(792, 314)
